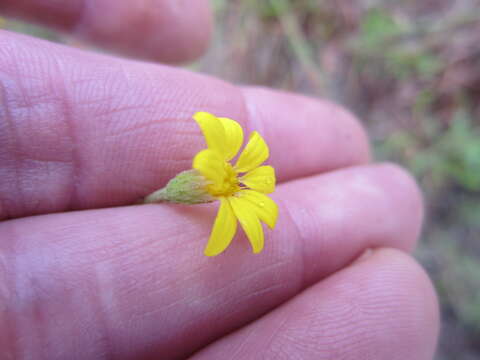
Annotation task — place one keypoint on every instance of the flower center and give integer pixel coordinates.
(229, 186)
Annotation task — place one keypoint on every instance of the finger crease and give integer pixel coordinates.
(68, 116)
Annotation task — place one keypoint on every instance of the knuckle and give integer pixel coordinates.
(32, 135)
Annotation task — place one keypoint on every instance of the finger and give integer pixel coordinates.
(165, 30)
(83, 131)
(311, 136)
(134, 281)
(383, 307)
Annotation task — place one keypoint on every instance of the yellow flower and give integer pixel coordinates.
(241, 188)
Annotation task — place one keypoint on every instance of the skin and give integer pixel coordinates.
(86, 275)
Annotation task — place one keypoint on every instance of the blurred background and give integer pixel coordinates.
(411, 71)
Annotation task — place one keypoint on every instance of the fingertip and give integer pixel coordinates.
(168, 31)
(382, 307)
(391, 297)
(310, 126)
(394, 271)
(161, 30)
(404, 191)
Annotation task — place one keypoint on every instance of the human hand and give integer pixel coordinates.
(81, 131)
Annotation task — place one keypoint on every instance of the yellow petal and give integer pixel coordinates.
(223, 230)
(211, 165)
(249, 220)
(254, 154)
(265, 208)
(212, 130)
(261, 179)
(233, 137)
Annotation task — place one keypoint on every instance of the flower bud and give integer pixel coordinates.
(188, 187)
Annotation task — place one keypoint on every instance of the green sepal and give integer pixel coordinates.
(188, 187)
